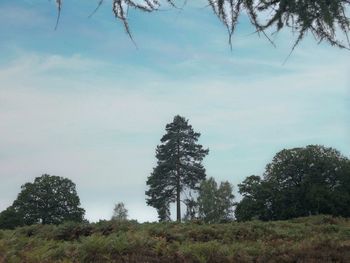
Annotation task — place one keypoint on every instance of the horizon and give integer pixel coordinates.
(84, 103)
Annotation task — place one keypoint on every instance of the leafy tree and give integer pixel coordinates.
(207, 209)
(225, 202)
(48, 200)
(324, 19)
(310, 178)
(120, 213)
(255, 202)
(298, 182)
(9, 219)
(215, 204)
(179, 167)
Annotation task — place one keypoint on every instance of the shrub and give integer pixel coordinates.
(95, 248)
(72, 231)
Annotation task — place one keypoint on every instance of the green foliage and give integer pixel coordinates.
(207, 200)
(225, 203)
(211, 251)
(179, 167)
(215, 204)
(48, 200)
(94, 248)
(9, 218)
(256, 197)
(72, 231)
(309, 239)
(298, 182)
(107, 227)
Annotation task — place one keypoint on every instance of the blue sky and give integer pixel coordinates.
(83, 102)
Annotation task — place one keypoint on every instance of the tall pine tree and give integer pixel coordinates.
(179, 167)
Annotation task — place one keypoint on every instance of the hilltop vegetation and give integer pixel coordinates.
(310, 239)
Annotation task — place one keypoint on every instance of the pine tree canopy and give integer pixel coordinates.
(324, 19)
(179, 167)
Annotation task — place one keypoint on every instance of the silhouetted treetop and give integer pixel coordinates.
(324, 19)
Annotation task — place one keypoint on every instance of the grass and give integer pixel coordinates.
(310, 239)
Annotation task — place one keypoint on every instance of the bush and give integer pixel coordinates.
(95, 248)
(72, 231)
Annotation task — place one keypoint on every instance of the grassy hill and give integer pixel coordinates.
(311, 239)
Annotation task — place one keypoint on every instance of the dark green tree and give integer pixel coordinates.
(10, 219)
(309, 181)
(48, 200)
(324, 19)
(256, 199)
(179, 167)
(215, 204)
(298, 182)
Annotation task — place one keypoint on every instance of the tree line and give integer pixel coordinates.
(297, 182)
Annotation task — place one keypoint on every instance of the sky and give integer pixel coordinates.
(84, 102)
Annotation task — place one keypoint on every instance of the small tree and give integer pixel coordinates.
(48, 200)
(120, 213)
(179, 167)
(215, 204)
(207, 209)
(9, 219)
(191, 209)
(225, 203)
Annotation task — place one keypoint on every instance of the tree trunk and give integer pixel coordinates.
(178, 204)
(178, 192)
